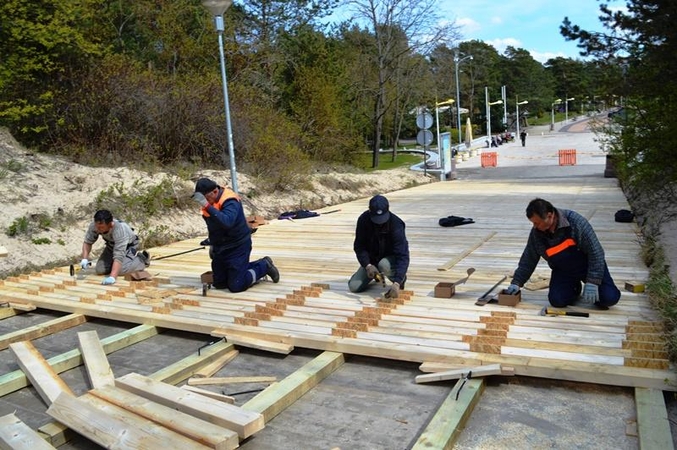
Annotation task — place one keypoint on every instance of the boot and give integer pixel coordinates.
(272, 271)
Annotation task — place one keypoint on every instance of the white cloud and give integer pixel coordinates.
(468, 26)
(502, 43)
(542, 57)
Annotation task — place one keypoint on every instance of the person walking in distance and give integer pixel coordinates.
(523, 137)
(230, 239)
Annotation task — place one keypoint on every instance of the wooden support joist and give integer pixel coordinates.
(48, 384)
(252, 342)
(653, 424)
(198, 430)
(96, 363)
(451, 417)
(43, 329)
(210, 394)
(216, 365)
(112, 427)
(185, 368)
(481, 371)
(245, 423)
(277, 398)
(230, 380)
(16, 435)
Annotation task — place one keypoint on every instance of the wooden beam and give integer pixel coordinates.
(210, 394)
(245, 423)
(16, 435)
(48, 384)
(112, 427)
(455, 374)
(96, 363)
(202, 431)
(13, 381)
(9, 312)
(41, 330)
(230, 380)
(259, 344)
(653, 424)
(450, 418)
(276, 399)
(216, 365)
(185, 368)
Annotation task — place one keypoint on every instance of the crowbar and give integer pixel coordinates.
(486, 298)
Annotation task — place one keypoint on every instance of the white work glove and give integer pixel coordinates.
(372, 271)
(591, 293)
(108, 280)
(394, 291)
(512, 289)
(84, 263)
(200, 199)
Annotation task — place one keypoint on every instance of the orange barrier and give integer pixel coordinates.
(489, 159)
(567, 157)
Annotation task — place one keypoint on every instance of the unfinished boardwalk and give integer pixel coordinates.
(311, 306)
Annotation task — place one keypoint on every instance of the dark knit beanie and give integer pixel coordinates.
(205, 186)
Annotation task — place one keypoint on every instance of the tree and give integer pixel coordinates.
(400, 28)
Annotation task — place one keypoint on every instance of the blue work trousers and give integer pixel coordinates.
(232, 269)
(569, 271)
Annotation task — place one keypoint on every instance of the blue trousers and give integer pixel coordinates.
(566, 283)
(232, 269)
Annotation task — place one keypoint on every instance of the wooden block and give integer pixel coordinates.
(16, 435)
(94, 357)
(45, 380)
(245, 423)
(634, 286)
(445, 290)
(653, 423)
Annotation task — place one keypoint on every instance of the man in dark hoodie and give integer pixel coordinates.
(230, 239)
(381, 247)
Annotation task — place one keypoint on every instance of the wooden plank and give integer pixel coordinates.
(210, 394)
(48, 384)
(6, 311)
(245, 423)
(230, 380)
(112, 427)
(449, 264)
(455, 374)
(96, 363)
(41, 330)
(185, 368)
(259, 344)
(198, 430)
(16, 435)
(653, 424)
(450, 418)
(276, 399)
(216, 365)
(16, 380)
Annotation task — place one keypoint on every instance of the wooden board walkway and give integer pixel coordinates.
(312, 307)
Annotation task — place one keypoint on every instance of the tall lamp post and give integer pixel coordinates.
(566, 108)
(440, 153)
(217, 8)
(517, 114)
(552, 113)
(488, 111)
(458, 61)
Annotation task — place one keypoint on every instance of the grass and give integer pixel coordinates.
(364, 161)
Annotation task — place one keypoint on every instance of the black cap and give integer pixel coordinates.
(379, 209)
(205, 186)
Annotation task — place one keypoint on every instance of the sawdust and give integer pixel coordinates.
(58, 194)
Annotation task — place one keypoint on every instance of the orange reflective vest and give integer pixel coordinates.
(227, 194)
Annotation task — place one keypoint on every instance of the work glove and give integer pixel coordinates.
(200, 199)
(591, 293)
(512, 289)
(394, 291)
(108, 280)
(84, 263)
(372, 271)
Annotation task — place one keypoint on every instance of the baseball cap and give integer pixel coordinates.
(205, 185)
(379, 209)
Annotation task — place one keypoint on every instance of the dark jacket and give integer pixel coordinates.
(375, 242)
(574, 232)
(226, 222)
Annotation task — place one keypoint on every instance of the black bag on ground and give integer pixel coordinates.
(454, 221)
(623, 215)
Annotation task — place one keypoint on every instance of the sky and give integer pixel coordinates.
(529, 24)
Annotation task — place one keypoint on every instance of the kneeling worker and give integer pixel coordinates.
(381, 247)
(230, 239)
(120, 255)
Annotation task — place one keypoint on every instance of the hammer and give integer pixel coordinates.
(556, 312)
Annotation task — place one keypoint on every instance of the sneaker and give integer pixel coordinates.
(272, 271)
(205, 242)
(145, 256)
(402, 283)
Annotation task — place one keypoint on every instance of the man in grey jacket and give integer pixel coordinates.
(121, 254)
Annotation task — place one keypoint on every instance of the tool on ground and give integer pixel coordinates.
(177, 254)
(486, 298)
(470, 271)
(546, 311)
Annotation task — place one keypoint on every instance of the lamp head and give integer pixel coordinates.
(217, 7)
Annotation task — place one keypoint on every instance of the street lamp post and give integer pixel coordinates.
(488, 111)
(458, 61)
(566, 109)
(552, 113)
(218, 8)
(440, 154)
(517, 114)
